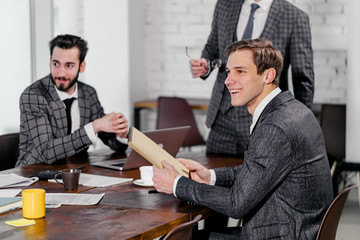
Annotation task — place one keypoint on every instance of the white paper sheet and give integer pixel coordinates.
(13, 180)
(10, 192)
(53, 200)
(93, 180)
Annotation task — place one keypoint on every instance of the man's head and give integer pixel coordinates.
(253, 68)
(67, 61)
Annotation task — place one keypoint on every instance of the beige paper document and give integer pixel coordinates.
(153, 152)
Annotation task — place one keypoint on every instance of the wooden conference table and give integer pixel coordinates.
(127, 211)
(195, 103)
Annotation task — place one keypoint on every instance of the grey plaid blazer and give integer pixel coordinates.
(287, 27)
(43, 125)
(284, 187)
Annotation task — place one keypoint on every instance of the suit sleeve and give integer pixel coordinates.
(240, 189)
(108, 139)
(301, 60)
(211, 49)
(38, 121)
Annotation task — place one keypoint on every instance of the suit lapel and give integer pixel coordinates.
(273, 104)
(56, 105)
(233, 18)
(273, 19)
(83, 105)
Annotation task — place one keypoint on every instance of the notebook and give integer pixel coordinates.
(9, 203)
(170, 139)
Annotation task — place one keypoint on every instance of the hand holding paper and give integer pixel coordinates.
(164, 178)
(153, 152)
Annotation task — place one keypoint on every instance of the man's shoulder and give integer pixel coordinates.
(86, 88)
(222, 5)
(284, 109)
(38, 87)
(290, 8)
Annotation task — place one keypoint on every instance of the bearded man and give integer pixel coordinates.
(60, 116)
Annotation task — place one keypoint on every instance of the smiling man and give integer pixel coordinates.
(284, 187)
(61, 116)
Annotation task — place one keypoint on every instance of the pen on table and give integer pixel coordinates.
(153, 191)
(79, 168)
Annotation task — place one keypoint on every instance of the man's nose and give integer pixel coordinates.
(228, 79)
(61, 72)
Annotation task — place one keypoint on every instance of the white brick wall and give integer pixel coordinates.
(170, 25)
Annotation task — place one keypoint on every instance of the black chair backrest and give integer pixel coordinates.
(9, 150)
(176, 112)
(330, 222)
(333, 124)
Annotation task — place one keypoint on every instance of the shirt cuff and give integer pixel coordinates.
(208, 72)
(212, 177)
(175, 184)
(90, 132)
(122, 140)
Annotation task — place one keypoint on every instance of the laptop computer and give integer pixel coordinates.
(170, 139)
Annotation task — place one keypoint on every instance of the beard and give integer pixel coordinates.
(62, 86)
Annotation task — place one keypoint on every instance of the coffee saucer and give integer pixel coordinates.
(140, 182)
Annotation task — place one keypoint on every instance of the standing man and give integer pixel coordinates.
(61, 116)
(283, 188)
(288, 28)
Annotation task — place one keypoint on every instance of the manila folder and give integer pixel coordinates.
(153, 152)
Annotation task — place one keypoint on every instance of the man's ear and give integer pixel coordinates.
(270, 75)
(82, 66)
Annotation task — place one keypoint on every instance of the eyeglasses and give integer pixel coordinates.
(216, 63)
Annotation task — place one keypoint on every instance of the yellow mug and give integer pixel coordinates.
(33, 201)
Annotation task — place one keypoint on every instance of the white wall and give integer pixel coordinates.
(107, 65)
(104, 25)
(353, 97)
(41, 33)
(15, 60)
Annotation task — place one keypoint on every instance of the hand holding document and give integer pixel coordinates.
(153, 152)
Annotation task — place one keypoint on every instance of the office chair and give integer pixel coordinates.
(176, 112)
(333, 125)
(183, 231)
(9, 150)
(330, 222)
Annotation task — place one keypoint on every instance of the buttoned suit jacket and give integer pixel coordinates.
(43, 124)
(283, 188)
(288, 28)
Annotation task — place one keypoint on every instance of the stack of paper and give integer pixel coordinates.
(13, 180)
(93, 180)
(53, 200)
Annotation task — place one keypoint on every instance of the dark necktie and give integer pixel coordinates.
(68, 102)
(249, 27)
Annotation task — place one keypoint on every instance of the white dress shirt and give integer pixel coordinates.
(75, 116)
(75, 113)
(260, 17)
(260, 108)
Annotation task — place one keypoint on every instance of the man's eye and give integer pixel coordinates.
(55, 64)
(70, 65)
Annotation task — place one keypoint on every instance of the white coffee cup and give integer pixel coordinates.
(146, 174)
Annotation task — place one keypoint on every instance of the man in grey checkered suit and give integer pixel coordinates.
(47, 131)
(288, 28)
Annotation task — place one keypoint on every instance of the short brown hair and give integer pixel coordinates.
(265, 55)
(68, 41)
